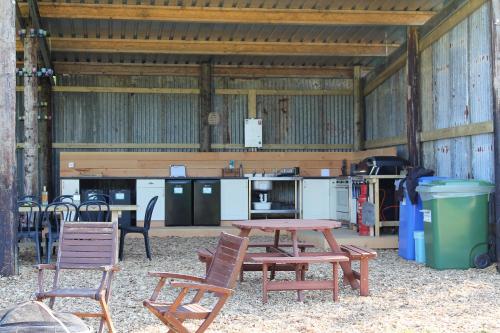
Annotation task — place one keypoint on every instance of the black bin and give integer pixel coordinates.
(178, 203)
(122, 197)
(206, 202)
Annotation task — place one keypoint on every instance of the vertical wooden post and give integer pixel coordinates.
(46, 136)
(412, 102)
(252, 104)
(495, 41)
(359, 119)
(31, 175)
(206, 104)
(8, 193)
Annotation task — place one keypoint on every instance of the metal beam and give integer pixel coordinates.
(219, 15)
(149, 46)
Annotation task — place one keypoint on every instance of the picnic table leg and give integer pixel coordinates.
(346, 266)
(115, 215)
(264, 283)
(276, 243)
(298, 270)
(335, 282)
(244, 232)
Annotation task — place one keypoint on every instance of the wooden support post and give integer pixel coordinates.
(495, 40)
(8, 193)
(359, 123)
(412, 102)
(45, 136)
(31, 118)
(252, 104)
(206, 105)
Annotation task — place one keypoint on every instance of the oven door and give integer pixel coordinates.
(343, 199)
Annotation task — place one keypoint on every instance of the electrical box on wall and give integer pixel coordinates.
(253, 133)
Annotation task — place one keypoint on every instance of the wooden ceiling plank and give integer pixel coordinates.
(90, 45)
(59, 10)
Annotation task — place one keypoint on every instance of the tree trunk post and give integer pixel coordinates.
(8, 193)
(31, 105)
(206, 105)
(46, 136)
(413, 102)
(495, 41)
(359, 121)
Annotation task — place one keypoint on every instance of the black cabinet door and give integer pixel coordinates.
(206, 197)
(178, 203)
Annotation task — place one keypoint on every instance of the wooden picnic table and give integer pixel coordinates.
(292, 226)
(116, 210)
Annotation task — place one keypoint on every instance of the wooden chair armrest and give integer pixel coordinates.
(176, 276)
(45, 266)
(202, 286)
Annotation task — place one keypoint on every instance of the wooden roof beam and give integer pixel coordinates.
(99, 68)
(137, 46)
(231, 15)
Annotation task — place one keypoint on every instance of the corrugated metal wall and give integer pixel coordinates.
(456, 90)
(386, 110)
(174, 118)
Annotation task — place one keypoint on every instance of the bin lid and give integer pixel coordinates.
(465, 186)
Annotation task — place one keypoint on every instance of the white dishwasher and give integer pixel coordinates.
(147, 189)
(316, 199)
(233, 199)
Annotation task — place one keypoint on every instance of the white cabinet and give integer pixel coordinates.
(234, 199)
(147, 189)
(70, 186)
(316, 198)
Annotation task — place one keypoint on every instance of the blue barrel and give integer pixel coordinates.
(410, 220)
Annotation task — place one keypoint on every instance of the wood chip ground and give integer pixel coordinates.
(406, 297)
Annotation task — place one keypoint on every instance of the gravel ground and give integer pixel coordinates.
(406, 297)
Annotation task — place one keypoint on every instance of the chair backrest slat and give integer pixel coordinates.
(87, 245)
(227, 261)
(94, 210)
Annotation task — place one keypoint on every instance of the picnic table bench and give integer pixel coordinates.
(301, 284)
(205, 255)
(363, 255)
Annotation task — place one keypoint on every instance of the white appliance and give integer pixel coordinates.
(344, 210)
(147, 189)
(70, 186)
(316, 198)
(253, 133)
(233, 199)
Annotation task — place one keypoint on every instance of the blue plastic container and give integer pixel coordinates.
(419, 246)
(410, 220)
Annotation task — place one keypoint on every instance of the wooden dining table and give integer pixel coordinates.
(116, 210)
(293, 226)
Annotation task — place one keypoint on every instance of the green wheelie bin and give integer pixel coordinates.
(456, 216)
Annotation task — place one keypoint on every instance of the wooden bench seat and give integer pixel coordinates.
(301, 284)
(363, 256)
(205, 255)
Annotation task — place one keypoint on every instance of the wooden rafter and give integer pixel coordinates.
(99, 68)
(232, 15)
(102, 45)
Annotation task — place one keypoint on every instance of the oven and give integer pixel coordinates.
(343, 195)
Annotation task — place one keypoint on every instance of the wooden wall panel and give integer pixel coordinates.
(156, 164)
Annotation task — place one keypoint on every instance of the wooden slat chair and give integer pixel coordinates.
(220, 280)
(89, 246)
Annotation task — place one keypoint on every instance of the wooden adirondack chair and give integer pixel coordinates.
(220, 280)
(84, 245)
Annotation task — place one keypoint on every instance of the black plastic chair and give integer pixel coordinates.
(64, 198)
(29, 226)
(128, 229)
(53, 215)
(94, 211)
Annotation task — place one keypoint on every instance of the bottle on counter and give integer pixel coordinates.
(76, 198)
(45, 196)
